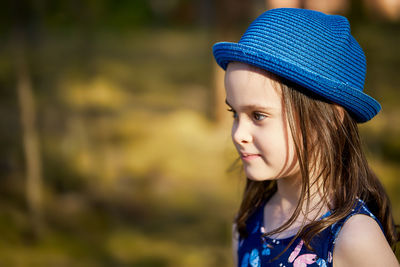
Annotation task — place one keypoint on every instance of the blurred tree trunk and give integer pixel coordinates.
(22, 12)
(387, 9)
(30, 137)
(286, 3)
(85, 16)
(326, 6)
(231, 18)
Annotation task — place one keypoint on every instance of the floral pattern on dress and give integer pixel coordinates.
(302, 260)
(251, 259)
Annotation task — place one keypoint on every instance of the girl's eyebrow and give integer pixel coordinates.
(252, 107)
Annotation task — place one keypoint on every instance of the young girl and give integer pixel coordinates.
(294, 83)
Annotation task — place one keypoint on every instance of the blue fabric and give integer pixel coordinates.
(310, 48)
(259, 251)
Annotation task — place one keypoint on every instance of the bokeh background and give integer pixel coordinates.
(115, 143)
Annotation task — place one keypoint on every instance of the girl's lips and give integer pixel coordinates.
(248, 157)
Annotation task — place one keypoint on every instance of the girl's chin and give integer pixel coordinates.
(264, 173)
(258, 177)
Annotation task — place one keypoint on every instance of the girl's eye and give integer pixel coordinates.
(234, 112)
(258, 116)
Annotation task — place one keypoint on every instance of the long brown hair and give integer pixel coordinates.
(342, 166)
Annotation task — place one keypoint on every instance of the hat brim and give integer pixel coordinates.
(362, 106)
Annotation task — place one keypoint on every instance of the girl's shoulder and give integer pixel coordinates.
(360, 241)
(360, 208)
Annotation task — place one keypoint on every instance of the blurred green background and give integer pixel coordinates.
(115, 147)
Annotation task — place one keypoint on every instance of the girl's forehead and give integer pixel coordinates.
(250, 69)
(252, 84)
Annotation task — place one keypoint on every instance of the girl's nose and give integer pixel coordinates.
(241, 133)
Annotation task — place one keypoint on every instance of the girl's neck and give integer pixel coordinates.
(285, 199)
(289, 190)
(283, 203)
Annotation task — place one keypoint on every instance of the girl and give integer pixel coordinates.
(294, 83)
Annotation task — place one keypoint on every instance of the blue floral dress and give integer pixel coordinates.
(258, 251)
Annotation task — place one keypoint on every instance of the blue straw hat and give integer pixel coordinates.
(310, 48)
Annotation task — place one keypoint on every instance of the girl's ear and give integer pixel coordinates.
(341, 111)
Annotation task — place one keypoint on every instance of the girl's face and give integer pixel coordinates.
(260, 129)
